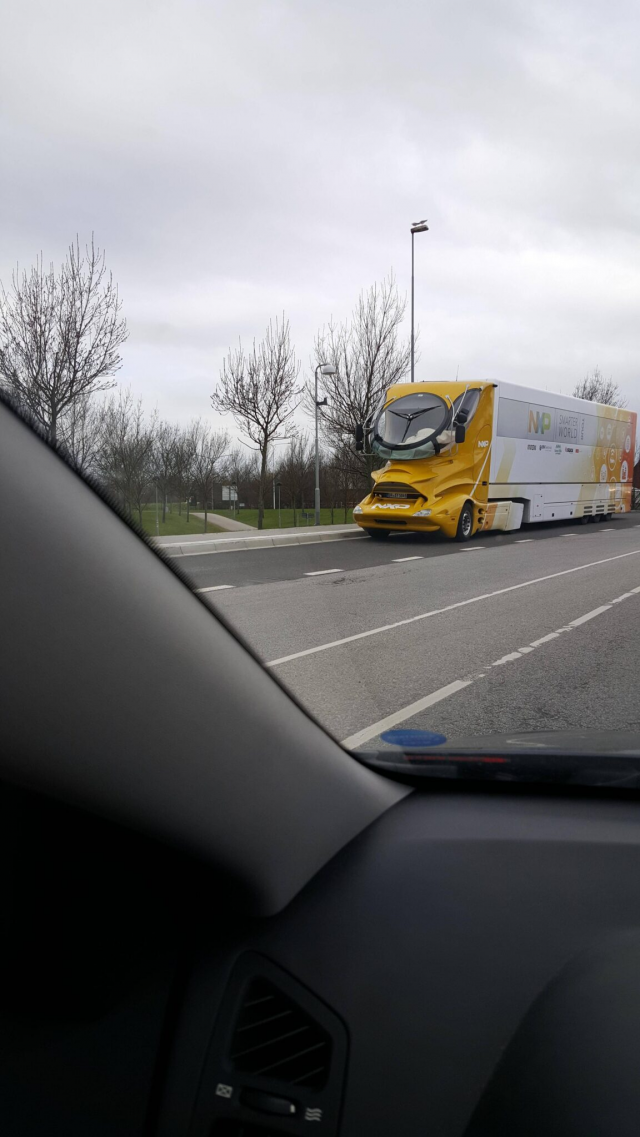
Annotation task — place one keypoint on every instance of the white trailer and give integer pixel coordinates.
(558, 457)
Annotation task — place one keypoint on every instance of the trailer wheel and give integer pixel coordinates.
(465, 522)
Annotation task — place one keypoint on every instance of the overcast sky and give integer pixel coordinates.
(237, 159)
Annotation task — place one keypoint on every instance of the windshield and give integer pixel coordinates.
(410, 422)
(316, 297)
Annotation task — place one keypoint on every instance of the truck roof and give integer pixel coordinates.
(519, 392)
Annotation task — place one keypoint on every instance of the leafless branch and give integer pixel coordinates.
(259, 388)
(369, 357)
(60, 334)
(597, 389)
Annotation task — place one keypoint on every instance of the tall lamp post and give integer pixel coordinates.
(417, 227)
(323, 369)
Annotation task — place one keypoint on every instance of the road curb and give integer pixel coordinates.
(238, 544)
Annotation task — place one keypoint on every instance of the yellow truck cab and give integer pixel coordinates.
(462, 457)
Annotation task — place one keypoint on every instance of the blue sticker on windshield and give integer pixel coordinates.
(412, 738)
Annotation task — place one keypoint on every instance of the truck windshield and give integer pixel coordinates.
(410, 425)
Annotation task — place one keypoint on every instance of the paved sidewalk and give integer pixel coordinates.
(227, 523)
(254, 539)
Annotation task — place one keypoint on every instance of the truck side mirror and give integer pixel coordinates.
(359, 437)
(461, 432)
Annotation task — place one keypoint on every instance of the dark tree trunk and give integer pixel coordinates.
(263, 481)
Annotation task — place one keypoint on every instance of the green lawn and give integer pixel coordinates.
(271, 520)
(176, 524)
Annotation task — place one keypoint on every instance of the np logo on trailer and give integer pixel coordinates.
(539, 422)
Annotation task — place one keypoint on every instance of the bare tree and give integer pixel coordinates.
(242, 471)
(208, 451)
(368, 356)
(81, 431)
(259, 389)
(183, 467)
(295, 472)
(60, 334)
(597, 389)
(125, 461)
(341, 479)
(166, 444)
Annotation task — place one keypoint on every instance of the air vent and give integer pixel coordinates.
(275, 1038)
(396, 490)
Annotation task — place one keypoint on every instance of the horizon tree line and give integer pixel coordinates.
(60, 338)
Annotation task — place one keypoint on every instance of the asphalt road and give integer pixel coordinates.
(537, 630)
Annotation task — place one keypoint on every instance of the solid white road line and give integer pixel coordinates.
(213, 588)
(322, 572)
(447, 608)
(399, 560)
(406, 712)
(419, 705)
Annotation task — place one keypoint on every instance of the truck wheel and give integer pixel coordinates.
(465, 522)
(378, 534)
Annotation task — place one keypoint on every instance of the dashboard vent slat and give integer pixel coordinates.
(273, 1037)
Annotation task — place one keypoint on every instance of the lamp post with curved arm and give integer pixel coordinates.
(323, 369)
(417, 227)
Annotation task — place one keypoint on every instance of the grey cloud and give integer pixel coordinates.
(236, 159)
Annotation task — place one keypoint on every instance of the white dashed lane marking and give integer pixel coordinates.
(412, 709)
(214, 588)
(447, 608)
(322, 572)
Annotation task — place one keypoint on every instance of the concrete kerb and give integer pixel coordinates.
(239, 543)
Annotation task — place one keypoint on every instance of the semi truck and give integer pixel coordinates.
(461, 458)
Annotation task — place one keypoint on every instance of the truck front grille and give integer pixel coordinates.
(394, 490)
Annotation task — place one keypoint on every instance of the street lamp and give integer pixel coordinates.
(417, 227)
(324, 369)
